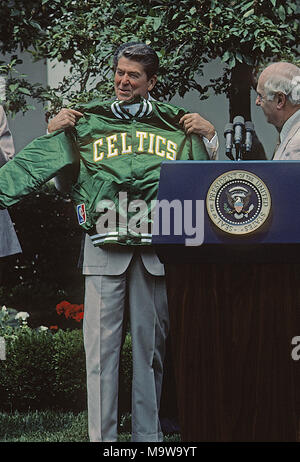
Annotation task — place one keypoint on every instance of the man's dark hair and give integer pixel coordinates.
(141, 53)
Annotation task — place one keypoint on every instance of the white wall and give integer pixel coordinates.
(31, 125)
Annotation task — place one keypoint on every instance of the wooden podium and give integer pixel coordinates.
(234, 300)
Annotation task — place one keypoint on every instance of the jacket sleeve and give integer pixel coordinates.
(198, 149)
(37, 163)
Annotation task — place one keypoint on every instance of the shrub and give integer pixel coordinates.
(25, 375)
(44, 369)
(69, 366)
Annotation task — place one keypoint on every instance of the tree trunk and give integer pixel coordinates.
(240, 105)
(239, 93)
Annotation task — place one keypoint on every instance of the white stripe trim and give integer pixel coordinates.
(117, 233)
(110, 233)
(145, 108)
(104, 239)
(150, 108)
(116, 109)
(100, 238)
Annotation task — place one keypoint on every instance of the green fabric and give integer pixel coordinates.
(117, 153)
(37, 163)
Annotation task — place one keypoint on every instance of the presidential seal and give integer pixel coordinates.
(238, 202)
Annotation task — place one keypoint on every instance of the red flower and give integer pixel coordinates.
(70, 311)
(62, 306)
(53, 327)
(79, 316)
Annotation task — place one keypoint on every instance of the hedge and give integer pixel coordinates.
(46, 370)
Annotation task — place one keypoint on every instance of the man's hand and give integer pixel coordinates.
(64, 119)
(194, 123)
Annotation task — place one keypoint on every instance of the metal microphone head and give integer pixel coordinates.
(228, 133)
(228, 129)
(238, 120)
(249, 126)
(238, 124)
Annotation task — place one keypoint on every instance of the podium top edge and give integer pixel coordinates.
(232, 162)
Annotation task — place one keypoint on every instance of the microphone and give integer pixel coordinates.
(228, 133)
(238, 127)
(249, 127)
(238, 124)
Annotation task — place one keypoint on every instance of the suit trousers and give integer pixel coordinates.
(102, 328)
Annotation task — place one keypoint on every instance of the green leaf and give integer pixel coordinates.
(156, 23)
(248, 5)
(273, 2)
(239, 57)
(232, 63)
(13, 87)
(25, 91)
(248, 13)
(226, 56)
(281, 13)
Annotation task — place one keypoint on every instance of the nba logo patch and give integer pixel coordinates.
(81, 215)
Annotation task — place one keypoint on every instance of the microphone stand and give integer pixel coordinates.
(238, 136)
(239, 129)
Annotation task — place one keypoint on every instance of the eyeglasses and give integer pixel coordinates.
(260, 98)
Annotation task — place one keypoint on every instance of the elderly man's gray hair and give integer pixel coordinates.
(286, 79)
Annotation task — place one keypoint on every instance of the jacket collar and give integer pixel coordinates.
(138, 107)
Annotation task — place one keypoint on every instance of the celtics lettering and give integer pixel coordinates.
(148, 143)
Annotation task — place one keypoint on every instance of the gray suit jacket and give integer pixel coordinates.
(9, 243)
(114, 260)
(289, 148)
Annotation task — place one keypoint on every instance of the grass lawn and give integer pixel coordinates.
(50, 426)
(43, 426)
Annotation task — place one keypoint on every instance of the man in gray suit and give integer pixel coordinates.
(9, 244)
(115, 273)
(278, 94)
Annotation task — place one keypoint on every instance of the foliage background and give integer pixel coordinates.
(84, 34)
(186, 35)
